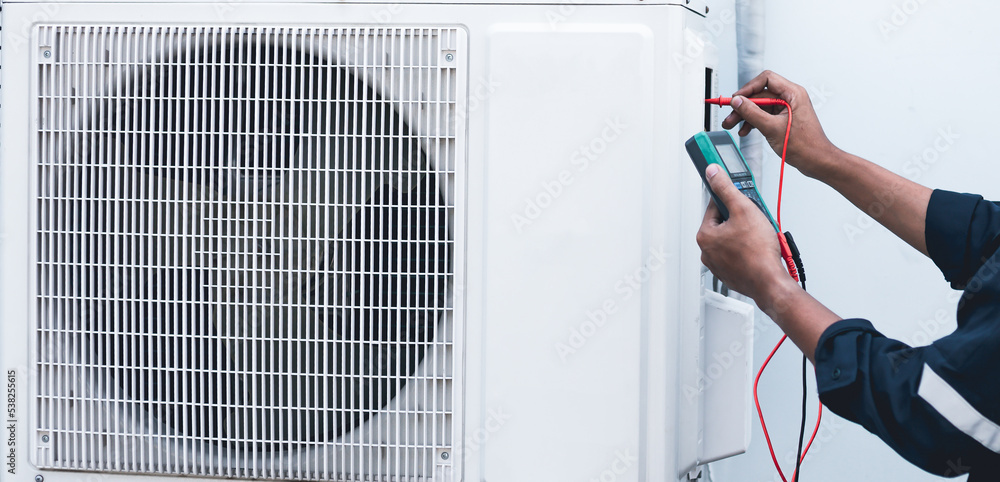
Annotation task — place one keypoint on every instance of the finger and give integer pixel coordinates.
(731, 120)
(707, 262)
(769, 81)
(713, 217)
(764, 95)
(745, 129)
(734, 117)
(772, 109)
(724, 188)
(754, 115)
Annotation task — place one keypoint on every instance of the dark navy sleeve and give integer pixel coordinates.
(959, 230)
(874, 381)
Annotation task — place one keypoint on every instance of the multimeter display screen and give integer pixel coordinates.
(731, 157)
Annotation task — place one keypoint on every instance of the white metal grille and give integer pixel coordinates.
(244, 252)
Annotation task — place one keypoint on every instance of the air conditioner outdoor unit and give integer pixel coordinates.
(358, 241)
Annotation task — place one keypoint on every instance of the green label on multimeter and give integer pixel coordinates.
(718, 147)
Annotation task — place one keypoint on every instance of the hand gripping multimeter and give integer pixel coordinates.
(718, 147)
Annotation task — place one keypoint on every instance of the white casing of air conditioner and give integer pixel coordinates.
(580, 348)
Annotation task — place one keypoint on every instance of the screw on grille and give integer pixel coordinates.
(445, 456)
(45, 440)
(449, 57)
(39, 478)
(46, 54)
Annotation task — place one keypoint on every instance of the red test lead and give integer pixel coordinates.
(786, 254)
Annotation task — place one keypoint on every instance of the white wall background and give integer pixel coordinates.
(887, 77)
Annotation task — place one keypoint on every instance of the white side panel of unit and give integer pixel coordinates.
(689, 409)
(15, 240)
(569, 148)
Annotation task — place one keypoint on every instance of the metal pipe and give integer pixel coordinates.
(750, 63)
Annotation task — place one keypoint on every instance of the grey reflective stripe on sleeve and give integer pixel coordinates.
(956, 410)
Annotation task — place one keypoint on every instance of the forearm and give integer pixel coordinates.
(894, 201)
(797, 313)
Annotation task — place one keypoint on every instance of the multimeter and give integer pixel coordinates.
(718, 147)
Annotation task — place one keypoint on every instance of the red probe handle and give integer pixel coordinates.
(755, 100)
(786, 254)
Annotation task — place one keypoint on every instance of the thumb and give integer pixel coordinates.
(754, 115)
(723, 187)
